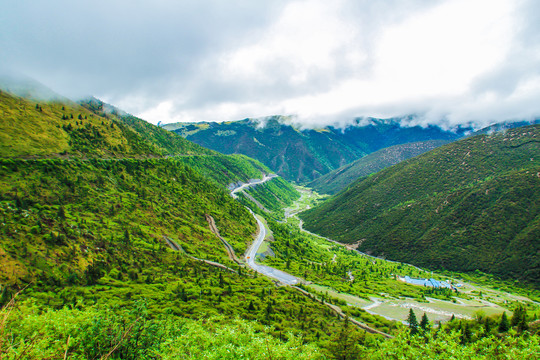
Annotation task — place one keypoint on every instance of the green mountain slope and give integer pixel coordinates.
(302, 155)
(86, 218)
(31, 128)
(473, 204)
(338, 179)
(82, 213)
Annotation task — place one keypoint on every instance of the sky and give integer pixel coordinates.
(448, 62)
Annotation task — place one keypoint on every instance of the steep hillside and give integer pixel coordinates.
(473, 204)
(32, 128)
(338, 179)
(108, 212)
(302, 155)
(90, 207)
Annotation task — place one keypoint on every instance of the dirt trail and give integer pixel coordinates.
(176, 247)
(336, 309)
(228, 247)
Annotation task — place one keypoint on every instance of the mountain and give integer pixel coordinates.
(117, 241)
(338, 179)
(87, 175)
(472, 204)
(302, 155)
(90, 206)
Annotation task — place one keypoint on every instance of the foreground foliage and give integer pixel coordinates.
(116, 333)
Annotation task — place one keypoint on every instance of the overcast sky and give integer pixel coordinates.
(448, 61)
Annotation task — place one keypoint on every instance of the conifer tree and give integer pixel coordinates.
(413, 323)
(487, 326)
(519, 314)
(465, 333)
(504, 326)
(424, 322)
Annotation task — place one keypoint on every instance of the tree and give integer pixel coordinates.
(424, 322)
(519, 318)
(487, 326)
(465, 333)
(345, 345)
(413, 323)
(269, 310)
(504, 326)
(126, 236)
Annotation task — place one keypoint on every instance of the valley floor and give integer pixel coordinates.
(467, 302)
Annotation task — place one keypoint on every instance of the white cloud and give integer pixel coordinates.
(325, 61)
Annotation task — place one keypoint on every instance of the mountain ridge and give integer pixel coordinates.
(339, 179)
(444, 208)
(302, 155)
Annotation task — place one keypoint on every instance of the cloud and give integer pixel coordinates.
(448, 61)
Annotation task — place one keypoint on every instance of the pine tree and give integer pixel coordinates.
(126, 236)
(504, 326)
(424, 322)
(220, 280)
(519, 314)
(465, 333)
(61, 213)
(413, 323)
(487, 326)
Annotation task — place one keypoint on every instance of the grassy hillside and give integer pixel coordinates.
(113, 210)
(86, 204)
(269, 199)
(89, 234)
(226, 169)
(42, 129)
(302, 155)
(473, 204)
(338, 179)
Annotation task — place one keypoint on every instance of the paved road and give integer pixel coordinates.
(252, 183)
(263, 269)
(279, 275)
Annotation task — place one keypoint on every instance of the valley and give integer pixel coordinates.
(119, 237)
(468, 302)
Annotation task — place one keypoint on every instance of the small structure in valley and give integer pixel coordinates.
(438, 284)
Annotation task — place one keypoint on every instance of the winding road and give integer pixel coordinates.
(279, 275)
(252, 183)
(251, 254)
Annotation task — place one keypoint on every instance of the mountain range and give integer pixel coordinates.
(301, 154)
